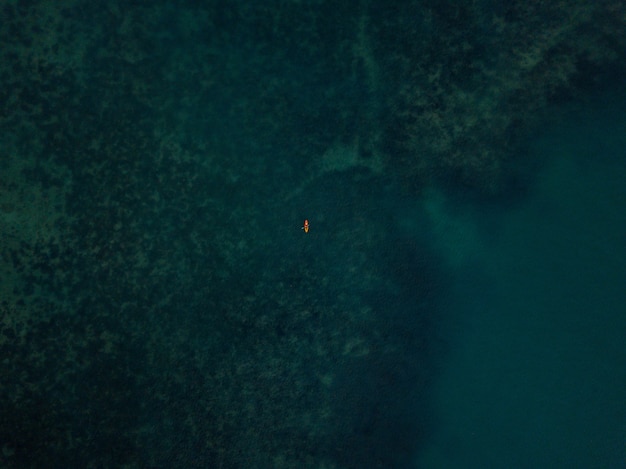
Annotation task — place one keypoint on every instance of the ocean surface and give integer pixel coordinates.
(457, 301)
(535, 371)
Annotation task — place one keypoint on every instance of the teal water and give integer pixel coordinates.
(456, 303)
(536, 371)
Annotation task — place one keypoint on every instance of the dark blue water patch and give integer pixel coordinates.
(383, 400)
(382, 403)
(382, 414)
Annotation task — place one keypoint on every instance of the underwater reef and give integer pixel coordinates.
(476, 77)
(159, 304)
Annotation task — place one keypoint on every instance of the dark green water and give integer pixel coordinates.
(536, 371)
(458, 301)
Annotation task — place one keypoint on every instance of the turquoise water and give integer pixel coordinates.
(536, 370)
(458, 301)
